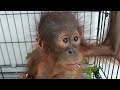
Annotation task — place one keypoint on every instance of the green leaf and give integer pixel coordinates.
(90, 70)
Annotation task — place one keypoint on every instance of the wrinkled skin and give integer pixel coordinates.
(61, 48)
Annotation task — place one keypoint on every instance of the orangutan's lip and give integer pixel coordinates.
(73, 63)
(76, 63)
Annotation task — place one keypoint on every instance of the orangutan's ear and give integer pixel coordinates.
(40, 44)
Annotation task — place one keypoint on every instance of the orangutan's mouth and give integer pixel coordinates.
(74, 64)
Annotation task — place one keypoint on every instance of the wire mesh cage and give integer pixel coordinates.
(18, 38)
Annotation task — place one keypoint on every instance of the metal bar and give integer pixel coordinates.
(2, 73)
(5, 41)
(35, 22)
(30, 13)
(118, 70)
(18, 42)
(29, 29)
(77, 18)
(109, 68)
(84, 25)
(90, 27)
(10, 77)
(104, 73)
(105, 65)
(8, 66)
(104, 27)
(11, 73)
(23, 31)
(113, 68)
(98, 27)
(11, 38)
(99, 61)
(102, 61)
(101, 26)
(17, 37)
(95, 58)
(2, 55)
(19, 13)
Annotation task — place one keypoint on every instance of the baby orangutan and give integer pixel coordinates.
(61, 48)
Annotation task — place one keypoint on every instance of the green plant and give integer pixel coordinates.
(90, 70)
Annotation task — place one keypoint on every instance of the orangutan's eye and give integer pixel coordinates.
(75, 38)
(65, 40)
